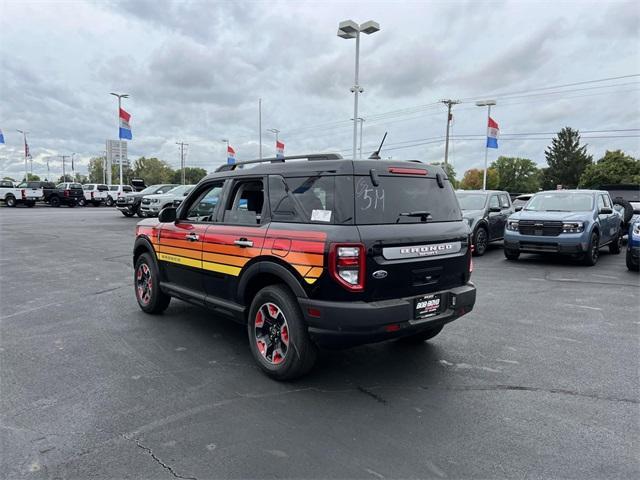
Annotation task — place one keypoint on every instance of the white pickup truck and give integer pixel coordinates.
(27, 193)
(95, 194)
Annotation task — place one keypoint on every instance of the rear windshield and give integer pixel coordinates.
(404, 200)
(75, 185)
(89, 187)
(103, 188)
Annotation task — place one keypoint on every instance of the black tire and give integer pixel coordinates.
(82, 202)
(480, 241)
(631, 265)
(11, 200)
(139, 212)
(590, 257)
(109, 202)
(127, 213)
(628, 208)
(280, 315)
(31, 204)
(615, 247)
(54, 202)
(511, 254)
(149, 295)
(423, 336)
(71, 204)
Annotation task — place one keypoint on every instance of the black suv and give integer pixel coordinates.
(313, 251)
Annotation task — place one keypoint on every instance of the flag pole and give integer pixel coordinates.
(486, 151)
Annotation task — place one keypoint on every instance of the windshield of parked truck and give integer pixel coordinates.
(561, 202)
(471, 201)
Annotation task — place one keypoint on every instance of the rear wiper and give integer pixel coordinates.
(424, 215)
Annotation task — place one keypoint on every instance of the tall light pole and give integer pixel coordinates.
(361, 121)
(260, 127)
(73, 168)
(120, 97)
(275, 131)
(449, 103)
(488, 104)
(26, 154)
(347, 30)
(182, 165)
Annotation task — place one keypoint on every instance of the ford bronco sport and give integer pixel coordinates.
(313, 251)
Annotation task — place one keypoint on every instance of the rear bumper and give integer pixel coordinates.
(344, 324)
(569, 243)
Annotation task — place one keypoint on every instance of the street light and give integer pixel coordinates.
(120, 97)
(348, 30)
(488, 104)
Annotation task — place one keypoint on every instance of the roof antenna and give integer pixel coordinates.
(376, 155)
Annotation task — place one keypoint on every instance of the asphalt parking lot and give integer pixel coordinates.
(539, 381)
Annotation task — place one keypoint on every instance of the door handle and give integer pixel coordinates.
(243, 242)
(192, 237)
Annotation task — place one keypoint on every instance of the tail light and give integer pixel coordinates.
(91, 195)
(347, 265)
(471, 258)
(67, 193)
(24, 194)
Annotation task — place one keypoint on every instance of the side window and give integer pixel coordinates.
(600, 202)
(127, 188)
(203, 209)
(607, 201)
(493, 202)
(245, 204)
(504, 201)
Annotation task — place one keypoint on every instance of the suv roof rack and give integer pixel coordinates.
(311, 157)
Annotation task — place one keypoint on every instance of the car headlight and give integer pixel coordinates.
(129, 199)
(155, 200)
(635, 232)
(512, 225)
(572, 227)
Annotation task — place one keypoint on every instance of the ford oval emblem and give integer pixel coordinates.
(379, 274)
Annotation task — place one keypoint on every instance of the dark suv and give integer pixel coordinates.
(313, 251)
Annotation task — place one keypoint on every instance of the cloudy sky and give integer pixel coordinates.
(196, 69)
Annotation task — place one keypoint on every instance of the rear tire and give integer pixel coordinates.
(11, 201)
(480, 241)
(128, 214)
(590, 257)
(82, 202)
(54, 202)
(109, 202)
(615, 247)
(631, 265)
(147, 286)
(422, 336)
(278, 337)
(627, 209)
(139, 213)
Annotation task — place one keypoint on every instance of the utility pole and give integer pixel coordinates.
(449, 103)
(182, 145)
(64, 174)
(260, 124)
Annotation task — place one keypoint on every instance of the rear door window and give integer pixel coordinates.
(404, 200)
(246, 203)
(311, 199)
(504, 201)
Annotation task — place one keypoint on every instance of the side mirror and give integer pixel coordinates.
(518, 208)
(185, 194)
(494, 209)
(167, 215)
(605, 211)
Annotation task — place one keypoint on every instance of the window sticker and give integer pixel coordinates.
(320, 215)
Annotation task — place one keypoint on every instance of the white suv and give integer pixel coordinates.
(152, 204)
(115, 192)
(94, 193)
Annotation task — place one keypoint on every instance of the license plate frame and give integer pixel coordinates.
(427, 306)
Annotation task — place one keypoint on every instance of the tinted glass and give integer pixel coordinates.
(471, 201)
(561, 202)
(88, 187)
(246, 203)
(103, 188)
(127, 188)
(315, 199)
(6, 183)
(394, 197)
(113, 188)
(75, 185)
(204, 207)
(504, 201)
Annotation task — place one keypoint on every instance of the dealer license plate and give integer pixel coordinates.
(427, 306)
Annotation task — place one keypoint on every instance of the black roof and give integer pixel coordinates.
(324, 162)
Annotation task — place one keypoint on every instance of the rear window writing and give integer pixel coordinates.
(395, 197)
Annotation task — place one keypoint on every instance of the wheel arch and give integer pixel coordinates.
(263, 273)
(143, 245)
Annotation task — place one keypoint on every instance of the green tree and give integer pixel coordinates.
(473, 178)
(32, 177)
(8, 178)
(567, 160)
(614, 167)
(153, 170)
(517, 175)
(66, 179)
(450, 171)
(96, 169)
(192, 175)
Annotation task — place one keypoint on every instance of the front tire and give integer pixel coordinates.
(11, 201)
(82, 202)
(128, 214)
(54, 202)
(146, 280)
(591, 255)
(615, 247)
(139, 213)
(480, 241)
(109, 202)
(511, 254)
(278, 336)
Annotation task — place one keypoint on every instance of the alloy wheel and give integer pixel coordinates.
(144, 284)
(271, 333)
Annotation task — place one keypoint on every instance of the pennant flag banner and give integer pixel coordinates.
(279, 149)
(1, 137)
(231, 155)
(492, 134)
(26, 149)
(125, 128)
